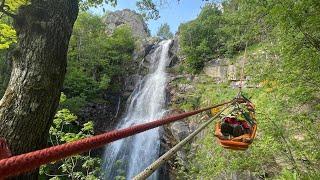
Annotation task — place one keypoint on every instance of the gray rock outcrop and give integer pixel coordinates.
(180, 130)
(220, 70)
(127, 17)
(105, 114)
(174, 52)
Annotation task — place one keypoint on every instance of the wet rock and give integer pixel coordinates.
(167, 141)
(103, 115)
(148, 60)
(173, 52)
(175, 45)
(131, 82)
(144, 47)
(153, 45)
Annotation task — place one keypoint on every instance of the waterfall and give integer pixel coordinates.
(127, 157)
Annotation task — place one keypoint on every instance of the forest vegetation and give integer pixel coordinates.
(283, 58)
(282, 44)
(164, 32)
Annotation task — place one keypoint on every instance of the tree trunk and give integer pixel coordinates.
(39, 65)
(4, 72)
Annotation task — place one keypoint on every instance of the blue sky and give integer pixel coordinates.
(172, 13)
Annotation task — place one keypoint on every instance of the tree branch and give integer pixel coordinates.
(5, 9)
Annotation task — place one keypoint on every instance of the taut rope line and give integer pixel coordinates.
(23, 163)
(156, 164)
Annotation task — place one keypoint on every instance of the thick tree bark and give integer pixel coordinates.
(39, 64)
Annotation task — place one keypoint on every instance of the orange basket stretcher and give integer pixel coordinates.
(236, 143)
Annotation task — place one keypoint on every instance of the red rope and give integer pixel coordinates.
(4, 149)
(26, 162)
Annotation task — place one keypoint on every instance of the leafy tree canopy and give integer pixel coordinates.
(164, 31)
(9, 7)
(95, 58)
(201, 38)
(7, 33)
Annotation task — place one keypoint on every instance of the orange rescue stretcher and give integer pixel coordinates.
(237, 143)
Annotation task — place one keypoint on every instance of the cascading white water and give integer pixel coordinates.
(127, 157)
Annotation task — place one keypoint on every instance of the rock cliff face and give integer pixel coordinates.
(221, 70)
(106, 114)
(127, 17)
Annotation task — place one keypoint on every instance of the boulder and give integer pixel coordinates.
(180, 130)
(148, 60)
(131, 82)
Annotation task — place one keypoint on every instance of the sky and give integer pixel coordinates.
(173, 12)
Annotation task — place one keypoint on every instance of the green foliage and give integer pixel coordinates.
(148, 9)
(287, 131)
(63, 130)
(200, 39)
(121, 173)
(78, 83)
(286, 175)
(286, 67)
(95, 58)
(86, 4)
(74, 104)
(164, 32)
(8, 34)
(13, 5)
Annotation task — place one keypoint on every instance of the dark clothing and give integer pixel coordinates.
(231, 126)
(234, 122)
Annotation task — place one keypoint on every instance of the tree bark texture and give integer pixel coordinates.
(39, 65)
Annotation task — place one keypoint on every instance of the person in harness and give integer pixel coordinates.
(237, 129)
(239, 121)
